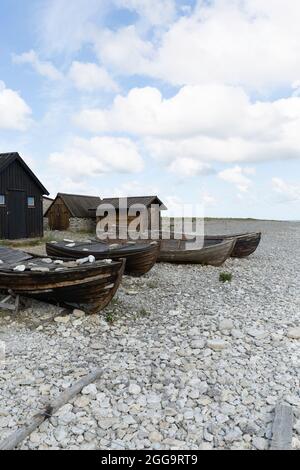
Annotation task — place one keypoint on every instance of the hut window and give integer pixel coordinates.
(2, 200)
(31, 201)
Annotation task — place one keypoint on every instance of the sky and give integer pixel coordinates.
(196, 101)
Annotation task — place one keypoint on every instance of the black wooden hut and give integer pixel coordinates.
(21, 199)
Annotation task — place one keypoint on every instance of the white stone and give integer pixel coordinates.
(90, 390)
(82, 401)
(60, 434)
(96, 345)
(64, 320)
(226, 325)
(47, 260)
(198, 344)
(19, 269)
(81, 261)
(217, 344)
(237, 334)
(78, 313)
(134, 389)
(206, 446)
(294, 333)
(40, 270)
(194, 393)
(35, 438)
(155, 436)
(293, 400)
(188, 414)
(107, 422)
(259, 443)
(257, 333)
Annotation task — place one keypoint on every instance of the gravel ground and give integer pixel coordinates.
(190, 363)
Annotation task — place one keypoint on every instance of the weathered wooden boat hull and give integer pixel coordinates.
(140, 265)
(214, 255)
(139, 260)
(89, 287)
(246, 244)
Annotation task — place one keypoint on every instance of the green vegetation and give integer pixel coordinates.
(27, 243)
(152, 284)
(110, 318)
(143, 313)
(225, 277)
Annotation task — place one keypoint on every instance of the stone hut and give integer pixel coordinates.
(73, 212)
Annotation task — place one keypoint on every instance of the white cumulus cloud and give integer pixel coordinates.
(238, 176)
(203, 124)
(186, 167)
(123, 50)
(44, 68)
(288, 192)
(14, 111)
(98, 156)
(91, 77)
(252, 43)
(158, 12)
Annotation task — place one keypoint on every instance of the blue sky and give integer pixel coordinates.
(195, 101)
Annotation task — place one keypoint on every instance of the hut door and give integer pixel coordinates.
(59, 217)
(16, 212)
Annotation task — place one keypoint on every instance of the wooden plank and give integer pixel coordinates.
(282, 428)
(4, 306)
(17, 437)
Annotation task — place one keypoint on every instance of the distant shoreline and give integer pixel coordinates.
(234, 219)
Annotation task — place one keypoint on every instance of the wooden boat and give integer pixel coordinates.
(89, 286)
(183, 252)
(140, 257)
(246, 243)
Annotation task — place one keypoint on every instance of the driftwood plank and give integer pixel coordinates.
(17, 437)
(6, 306)
(282, 428)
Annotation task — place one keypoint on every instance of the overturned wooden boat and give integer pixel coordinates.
(246, 243)
(89, 286)
(140, 257)
(185, 252)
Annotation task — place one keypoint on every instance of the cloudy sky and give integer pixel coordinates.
(197, 101)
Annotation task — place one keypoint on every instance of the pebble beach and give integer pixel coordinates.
(188, 362)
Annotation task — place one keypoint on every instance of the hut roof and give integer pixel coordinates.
(145, 200)
(79, 206)
(7, 159)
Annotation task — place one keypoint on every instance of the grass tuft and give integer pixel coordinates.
(225, 277)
